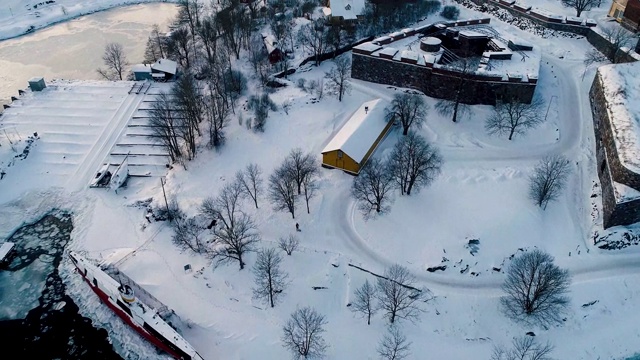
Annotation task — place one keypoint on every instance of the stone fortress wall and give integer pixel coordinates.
(370, 62)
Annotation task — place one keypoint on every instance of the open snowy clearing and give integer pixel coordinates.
(481, 194)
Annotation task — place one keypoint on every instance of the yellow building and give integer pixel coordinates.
(617, 9)
(352, 146)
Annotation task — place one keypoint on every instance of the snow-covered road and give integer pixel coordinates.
(575, 118)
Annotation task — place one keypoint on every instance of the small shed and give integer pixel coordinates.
(352, 146)
(37, 84)
(164, 67)
(271, 45)
(141, 72)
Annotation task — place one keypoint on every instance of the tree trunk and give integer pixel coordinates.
(578, 12)
(511, 133)
(405, 129)
(240, 260)
(271, 290)
(369, 318)
(455, 111)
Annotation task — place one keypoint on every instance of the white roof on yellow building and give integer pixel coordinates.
(360, 132)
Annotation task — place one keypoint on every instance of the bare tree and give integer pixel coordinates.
(373, 188)
(270, 279)
(414, 163)
(397, 296)
(523, 348)
(165, 124)
(187, 98)
(409, 109)
(548, 179)
(592, 56)
(115, 61)
(310, 187)
(394, 345)
(302, 334)
(364, 301)
(261, 105)
(580, 5)
(259, 59)
(251, 180)
(535, 289)
(233, 22)
(208, 34)
(301, 166)
(179, 46)
(619, 38)
(282, 190)
(339, 74)
(289, 244)
(452, 104)
(216, 112)
(514, 117)
(188, 234)
(151, 52)
(312, 37)
(236, 232)
(160, 44)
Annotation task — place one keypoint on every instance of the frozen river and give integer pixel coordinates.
(73, 49)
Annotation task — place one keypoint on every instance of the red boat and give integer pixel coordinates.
(144, 319)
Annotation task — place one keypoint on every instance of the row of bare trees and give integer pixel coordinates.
(412, 165)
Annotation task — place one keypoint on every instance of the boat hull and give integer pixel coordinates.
(126, 318)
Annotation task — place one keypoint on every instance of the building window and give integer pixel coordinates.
(339, 154)
(617, 14)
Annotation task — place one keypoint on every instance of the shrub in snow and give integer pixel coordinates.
(535, 289)
(289, 244)
(450, 12)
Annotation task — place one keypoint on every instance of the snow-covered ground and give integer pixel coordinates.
(481, 194)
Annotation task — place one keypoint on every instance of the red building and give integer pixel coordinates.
(631, 16)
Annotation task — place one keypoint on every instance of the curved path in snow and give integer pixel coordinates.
(574, 110)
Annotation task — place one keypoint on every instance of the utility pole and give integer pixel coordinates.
(162, 181)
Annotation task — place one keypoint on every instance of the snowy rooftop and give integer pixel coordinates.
(622, 91)
(361, 131)
(166, 66)
(141, 68)
(347, 9)
(524, 64)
